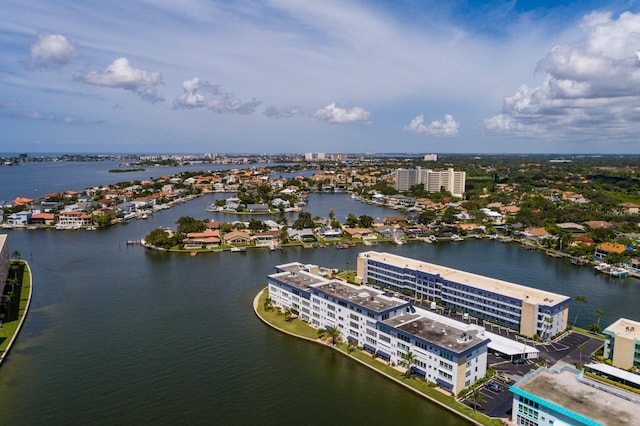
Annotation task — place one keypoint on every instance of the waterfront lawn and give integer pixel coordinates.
(301, 328)
(276, 318)
(16, 308)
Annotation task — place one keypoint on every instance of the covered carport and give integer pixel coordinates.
(510, 348)
(615, 374)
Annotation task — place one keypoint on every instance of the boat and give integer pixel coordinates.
(238, 249)
(456, 237)
(579, 261)
(614, 271)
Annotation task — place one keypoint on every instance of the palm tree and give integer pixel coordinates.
(580, 348)
(16, 255)
(599, 314)
(477, 398)
(582, 300)
(334, 334)
(288, 314)
(408, 359)
(268, 304)
(351, 346)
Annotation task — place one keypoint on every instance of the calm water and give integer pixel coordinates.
(121, 335)
(34, 180)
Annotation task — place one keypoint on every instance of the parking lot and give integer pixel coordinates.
(495, 399)
(565, 350)
(571, 348)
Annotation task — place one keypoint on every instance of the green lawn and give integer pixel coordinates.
(421, 386)
(10, 325)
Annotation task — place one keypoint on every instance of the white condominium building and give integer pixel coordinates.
(434, 181)
(528, 310)
(445, 180)
(450, 353)
(406, 178)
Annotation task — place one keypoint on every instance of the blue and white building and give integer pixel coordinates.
(560, 397)
(528, 310)
(449, 353)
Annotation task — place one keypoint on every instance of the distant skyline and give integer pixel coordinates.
(287, 76)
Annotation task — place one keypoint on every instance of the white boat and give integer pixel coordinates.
(614, 271)
(456, 237)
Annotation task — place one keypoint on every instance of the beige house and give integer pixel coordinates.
(236, 237)
(207, 239)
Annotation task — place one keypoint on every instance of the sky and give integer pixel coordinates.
(343, 76)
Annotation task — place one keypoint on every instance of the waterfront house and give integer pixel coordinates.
(357, 233)
(303, 235)
(329, 233)
(604, 249)
(43, 219)
(19, 218)
(257, 208)
(208, 239)
(266, 238)
(535, 234)
(385, 232)
(236, 237)
(73, 219)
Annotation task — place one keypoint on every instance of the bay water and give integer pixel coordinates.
(122, 335)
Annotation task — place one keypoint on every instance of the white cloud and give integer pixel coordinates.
(51, 51)
(446, 127)
(334, 114)
(8, 105)
(197, 94)
(283, 112)
(591, 88)
(121, 75)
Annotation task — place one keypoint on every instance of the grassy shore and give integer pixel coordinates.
(17, 311)
(415, 384)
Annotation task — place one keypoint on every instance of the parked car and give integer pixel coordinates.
(519, 361)
(494, 387)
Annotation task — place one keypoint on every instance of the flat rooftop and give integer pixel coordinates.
(367, 297)
(562, 387)
(516, 291)
(625, 328)
(442, 334)
(298, 278)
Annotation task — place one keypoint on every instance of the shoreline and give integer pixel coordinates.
(387, 376)
(22, 319)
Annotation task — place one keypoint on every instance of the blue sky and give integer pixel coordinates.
(275, 76)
